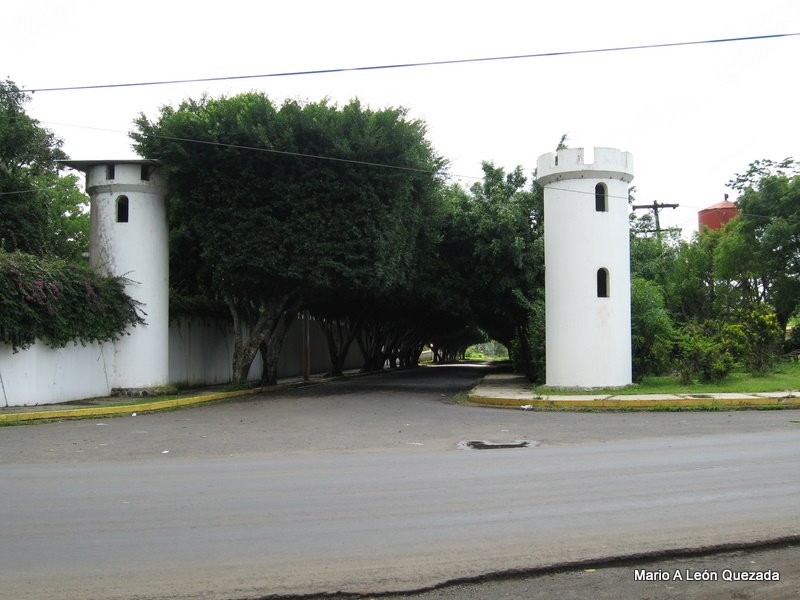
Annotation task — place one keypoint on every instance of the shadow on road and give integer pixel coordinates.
(434, 379)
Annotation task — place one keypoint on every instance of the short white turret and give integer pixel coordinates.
(587, 267)
(129, 238)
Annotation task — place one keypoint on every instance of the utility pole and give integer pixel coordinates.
(655, 207)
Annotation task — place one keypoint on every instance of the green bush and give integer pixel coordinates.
(651, 329)
(58, 302)
(701, 355)
(487, 350)
(528, 347)
(733, 338)
(763, 336)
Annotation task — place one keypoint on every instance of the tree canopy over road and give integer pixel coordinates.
(343, 211)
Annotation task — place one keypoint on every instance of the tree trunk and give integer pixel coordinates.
(271, 346)
(339, 334)
(435, 352)
(245, 347)
(267, 326)
(371, 342)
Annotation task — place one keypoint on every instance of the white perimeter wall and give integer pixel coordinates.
(200, 353)
(44, 375)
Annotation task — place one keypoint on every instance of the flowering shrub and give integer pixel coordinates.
(58, 302)
(764, 338)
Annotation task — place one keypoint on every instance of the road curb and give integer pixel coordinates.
(143, 407)
(602, 402)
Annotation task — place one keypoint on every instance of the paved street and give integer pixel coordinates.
(360, 485)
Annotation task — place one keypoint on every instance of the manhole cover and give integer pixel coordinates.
(490, 445)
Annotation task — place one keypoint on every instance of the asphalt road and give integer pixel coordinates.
(360, 486)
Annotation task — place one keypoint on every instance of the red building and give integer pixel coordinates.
(714, 217)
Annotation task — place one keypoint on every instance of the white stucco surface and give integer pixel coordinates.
(44, 375)
(200, 353)
(588, 337)
(137, 250)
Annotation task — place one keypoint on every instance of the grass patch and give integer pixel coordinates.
(785, 377)
(713, 407)
(461, 398)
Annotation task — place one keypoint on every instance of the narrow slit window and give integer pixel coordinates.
(122, 209)
(110, 171)
(600, 198)
(146, 169)
(602, 283)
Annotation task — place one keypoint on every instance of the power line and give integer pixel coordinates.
(267, 150)
(315, 156)
(297, 154)
(418, 64)
(28, 191)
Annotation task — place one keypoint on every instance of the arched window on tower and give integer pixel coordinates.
(122, 209)
(601, 197)
(602, 283)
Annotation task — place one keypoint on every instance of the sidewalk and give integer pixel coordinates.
(515, 391)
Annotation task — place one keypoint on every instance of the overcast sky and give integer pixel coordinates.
(692, 116)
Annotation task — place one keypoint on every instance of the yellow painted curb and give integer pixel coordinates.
(120, 409)
(618, 403)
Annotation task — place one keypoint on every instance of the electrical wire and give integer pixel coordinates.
(383, 67)
(28, 191)
(447, 176)
(273, 151)
(431, 63)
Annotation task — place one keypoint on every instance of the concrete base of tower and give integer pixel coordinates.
(583, 388)
(589, 370)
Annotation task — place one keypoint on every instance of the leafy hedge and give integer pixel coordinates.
(58, 302)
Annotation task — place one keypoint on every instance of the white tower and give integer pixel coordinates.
(587, 267)
(129, 238)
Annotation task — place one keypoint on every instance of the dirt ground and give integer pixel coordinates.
(614, 582)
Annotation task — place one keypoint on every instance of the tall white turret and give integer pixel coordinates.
(587, 267)
(129, 238)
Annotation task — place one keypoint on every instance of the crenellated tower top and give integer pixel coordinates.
(576, 163)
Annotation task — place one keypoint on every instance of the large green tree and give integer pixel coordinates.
(760, 250)
(40, 212)
(285, 204)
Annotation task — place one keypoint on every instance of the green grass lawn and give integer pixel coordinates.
(785, 377)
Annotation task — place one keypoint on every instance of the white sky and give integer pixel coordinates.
(692, 116)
